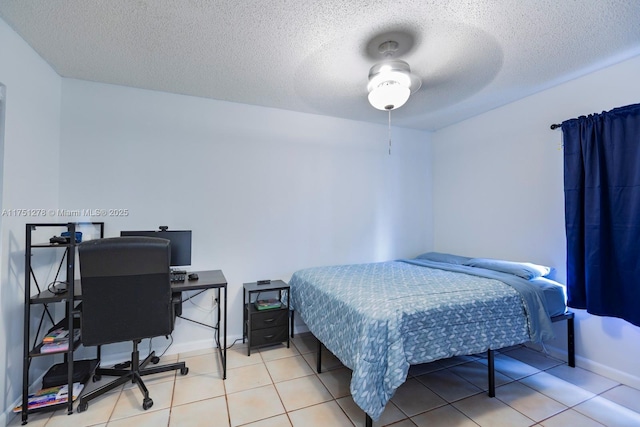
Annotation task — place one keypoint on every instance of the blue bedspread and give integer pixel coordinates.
(380, 318)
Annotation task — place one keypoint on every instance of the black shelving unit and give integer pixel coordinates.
(52, 293)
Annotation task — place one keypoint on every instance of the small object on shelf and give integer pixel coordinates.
(58, 239)
(268, 304)
(61, 344)
(51, 396)
(56, 335)
(67, 236)
(264, 282)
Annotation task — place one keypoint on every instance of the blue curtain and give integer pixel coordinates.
(602, 212)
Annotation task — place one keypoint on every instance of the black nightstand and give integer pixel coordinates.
(266, 326)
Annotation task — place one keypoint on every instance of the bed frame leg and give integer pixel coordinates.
(491, 373)
(319, 365)
(569, 316)
(571, 345)
(368, 422)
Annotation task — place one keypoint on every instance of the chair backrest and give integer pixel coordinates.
(126, 289)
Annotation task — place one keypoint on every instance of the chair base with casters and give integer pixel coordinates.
(134, 375)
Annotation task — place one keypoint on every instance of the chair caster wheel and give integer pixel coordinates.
(96, 378)
(82, 407)
(184, 371)
(155, 360)
(147, 403)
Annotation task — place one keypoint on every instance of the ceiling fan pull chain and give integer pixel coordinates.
(389, 132)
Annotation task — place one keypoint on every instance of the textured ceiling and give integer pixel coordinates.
(314, 55)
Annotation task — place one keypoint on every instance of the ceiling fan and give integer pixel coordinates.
(391, 81)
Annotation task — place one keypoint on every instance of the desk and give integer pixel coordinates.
(209, 279)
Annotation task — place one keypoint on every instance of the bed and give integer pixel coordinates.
(380, 318)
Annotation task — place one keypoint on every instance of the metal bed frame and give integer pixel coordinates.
(571, 359)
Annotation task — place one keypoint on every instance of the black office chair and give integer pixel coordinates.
(126, 296)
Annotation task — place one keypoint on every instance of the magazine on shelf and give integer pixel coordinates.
(55, 346)
(51, 396)
(58, 344)
(59, 334)
(267, 304)
(58, 341)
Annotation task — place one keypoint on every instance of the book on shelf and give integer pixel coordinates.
(267, 304)
(51, 396)
(55, 346)
(56, 335)
(61, 344)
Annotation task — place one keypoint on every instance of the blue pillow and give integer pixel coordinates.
(526, 270)
(442, 257)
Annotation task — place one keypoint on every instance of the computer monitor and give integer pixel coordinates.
(180, 243)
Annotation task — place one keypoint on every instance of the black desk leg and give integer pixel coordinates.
(222, 346)
(224, 362)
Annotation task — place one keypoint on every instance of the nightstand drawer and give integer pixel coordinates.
(269, 318)
(269, 336)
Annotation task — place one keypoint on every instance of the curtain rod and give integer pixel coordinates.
(555, 126)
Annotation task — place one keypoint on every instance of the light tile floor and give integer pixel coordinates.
(278, 386)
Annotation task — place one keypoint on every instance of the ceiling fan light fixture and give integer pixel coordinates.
(389, 95)
(391, 84)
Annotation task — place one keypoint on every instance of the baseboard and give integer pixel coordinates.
(597, 368)
(300, 329)
(199, 345)
(174, 348)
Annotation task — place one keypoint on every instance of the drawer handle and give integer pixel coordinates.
(268, 337)
(268, 320)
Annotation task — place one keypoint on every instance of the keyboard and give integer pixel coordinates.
(178, 277)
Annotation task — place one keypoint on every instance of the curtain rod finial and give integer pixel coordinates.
(555, 126)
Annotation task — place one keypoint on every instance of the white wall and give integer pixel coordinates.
(29, 180)
(498, 192)
(265, 191)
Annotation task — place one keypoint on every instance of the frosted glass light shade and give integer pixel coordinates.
(389, 95)
(390, 84)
